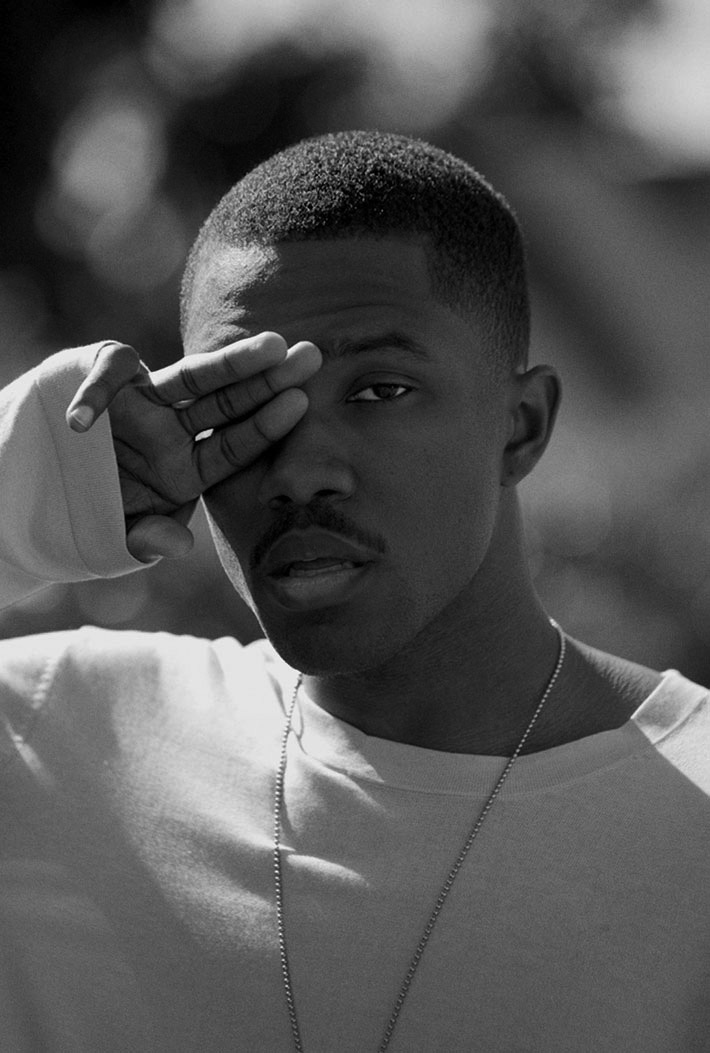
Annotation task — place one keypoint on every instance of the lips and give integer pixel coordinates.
(310, 568)
(313, 553)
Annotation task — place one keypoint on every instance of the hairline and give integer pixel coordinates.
(481, 316)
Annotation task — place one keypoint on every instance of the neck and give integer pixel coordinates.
(470, 681)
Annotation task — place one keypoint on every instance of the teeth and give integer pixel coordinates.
(303, 570)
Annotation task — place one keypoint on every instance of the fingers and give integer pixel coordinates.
(155, 536)
(233, 448)
(232, 403)
(198, 375)
(115, 366)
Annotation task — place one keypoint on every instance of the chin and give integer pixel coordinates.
(323, 649)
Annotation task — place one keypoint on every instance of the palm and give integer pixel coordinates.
(155, 453)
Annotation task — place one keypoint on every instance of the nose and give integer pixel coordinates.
(307, 463)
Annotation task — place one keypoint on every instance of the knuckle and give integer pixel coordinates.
(266, 427)
(223, 402)
(269, 383)
(235, 448)
(189, 418)
(188, 380)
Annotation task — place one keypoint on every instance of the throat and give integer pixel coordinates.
(479, 703)
(483, 707)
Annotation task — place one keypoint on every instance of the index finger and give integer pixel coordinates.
(200, 374)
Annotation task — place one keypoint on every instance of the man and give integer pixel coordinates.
(203, 849)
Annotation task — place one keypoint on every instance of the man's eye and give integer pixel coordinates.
(380, 393)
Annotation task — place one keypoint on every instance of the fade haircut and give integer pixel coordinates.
(377, 184)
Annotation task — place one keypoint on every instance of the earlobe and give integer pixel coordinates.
(534, 402)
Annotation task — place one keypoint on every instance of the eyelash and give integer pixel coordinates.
(381, 384)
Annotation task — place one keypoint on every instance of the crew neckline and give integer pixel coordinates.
(344, 748)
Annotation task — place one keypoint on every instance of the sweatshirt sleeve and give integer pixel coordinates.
(61, 513)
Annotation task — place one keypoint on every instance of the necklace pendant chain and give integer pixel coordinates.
(445, 888)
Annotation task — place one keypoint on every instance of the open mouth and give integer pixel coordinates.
(312, 568)
(307, 584)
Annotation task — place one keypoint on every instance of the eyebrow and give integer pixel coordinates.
(394, 340)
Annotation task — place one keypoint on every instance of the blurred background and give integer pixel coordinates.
(123, 123)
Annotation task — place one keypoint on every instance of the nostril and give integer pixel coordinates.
(280, 501)
(276, 504)
(291, 480)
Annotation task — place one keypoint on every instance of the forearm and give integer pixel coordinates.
(62, 514)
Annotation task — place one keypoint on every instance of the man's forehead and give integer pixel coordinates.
(262, 287)
(361, 260)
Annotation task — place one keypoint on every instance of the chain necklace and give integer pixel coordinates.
(445, 888)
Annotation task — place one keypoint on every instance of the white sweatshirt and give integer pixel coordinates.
(137, 908)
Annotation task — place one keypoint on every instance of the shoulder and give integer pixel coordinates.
(31, 663)
(105, 654)
(675, 719)
(89, 680)
(671, 712)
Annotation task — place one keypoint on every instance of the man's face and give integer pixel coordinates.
(356, 531)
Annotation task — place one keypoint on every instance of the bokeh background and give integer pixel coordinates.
(123, 123)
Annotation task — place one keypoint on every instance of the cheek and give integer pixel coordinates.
(450, 498)
(449, 523)
(456, 531)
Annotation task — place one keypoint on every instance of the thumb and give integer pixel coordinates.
(155, 536)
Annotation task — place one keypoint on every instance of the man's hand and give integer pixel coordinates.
(245, 394)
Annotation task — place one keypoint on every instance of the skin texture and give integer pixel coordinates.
(424, 467)
(181, 429)
(371, 434)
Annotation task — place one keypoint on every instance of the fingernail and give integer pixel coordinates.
(81, 418)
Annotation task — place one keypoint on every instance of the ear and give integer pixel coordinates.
(533, 403)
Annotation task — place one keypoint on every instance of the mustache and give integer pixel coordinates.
(315, 514)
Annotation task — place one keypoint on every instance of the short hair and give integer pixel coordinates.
(379, 184)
